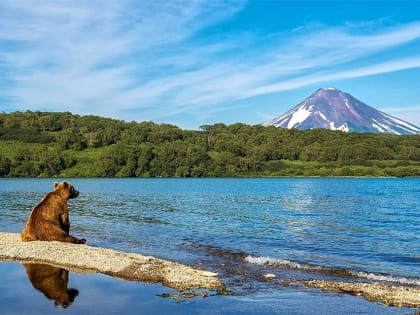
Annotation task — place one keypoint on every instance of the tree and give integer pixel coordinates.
(5, 165)
(145, 156)
(71, 138)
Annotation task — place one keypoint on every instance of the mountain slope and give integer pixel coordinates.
(330, 108)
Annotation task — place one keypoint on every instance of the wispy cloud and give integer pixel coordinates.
(322, 77)
(88, 54)
(408, 113)
(152, 57)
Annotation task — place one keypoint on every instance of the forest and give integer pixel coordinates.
(62, 144)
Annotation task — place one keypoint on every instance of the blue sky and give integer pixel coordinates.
(192, 62)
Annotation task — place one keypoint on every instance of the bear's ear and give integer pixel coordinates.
(65, 185)
(56, 185)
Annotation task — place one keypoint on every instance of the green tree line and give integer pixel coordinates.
(46, 144)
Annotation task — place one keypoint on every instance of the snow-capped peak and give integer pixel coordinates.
(333, 109)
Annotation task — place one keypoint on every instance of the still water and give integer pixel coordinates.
(336, 228)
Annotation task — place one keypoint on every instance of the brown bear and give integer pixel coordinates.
(52, 281)
(49, 219)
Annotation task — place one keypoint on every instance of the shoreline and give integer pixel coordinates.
(135, 267)
(394, 296)
(89, 259)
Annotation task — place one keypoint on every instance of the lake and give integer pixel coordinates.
(362, 229)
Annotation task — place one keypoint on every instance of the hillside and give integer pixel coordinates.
(42, 144)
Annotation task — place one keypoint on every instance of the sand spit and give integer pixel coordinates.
(398, 296)
(88, 259)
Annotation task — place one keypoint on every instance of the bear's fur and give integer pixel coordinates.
(51, 281)
(49, 219)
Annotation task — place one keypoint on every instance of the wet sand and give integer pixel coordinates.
(397, 296)
(88, 259)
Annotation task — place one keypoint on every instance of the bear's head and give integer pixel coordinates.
(65, 189)
(64, 299)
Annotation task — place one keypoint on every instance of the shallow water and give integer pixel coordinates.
(99, 294)
(357, 229)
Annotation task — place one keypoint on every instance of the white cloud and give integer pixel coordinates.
(61, 54)
(318, 78)
(410, 114)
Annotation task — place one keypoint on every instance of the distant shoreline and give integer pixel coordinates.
(46, 144)
(230, 177)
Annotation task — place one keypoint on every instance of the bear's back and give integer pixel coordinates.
(49, 207)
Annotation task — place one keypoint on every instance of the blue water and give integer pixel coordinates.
(352, 228)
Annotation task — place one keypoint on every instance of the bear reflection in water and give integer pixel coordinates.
(52, 281)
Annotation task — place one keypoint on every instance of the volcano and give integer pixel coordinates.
(330, 108)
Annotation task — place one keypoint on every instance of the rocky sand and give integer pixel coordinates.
(397, 296)
(89, 259)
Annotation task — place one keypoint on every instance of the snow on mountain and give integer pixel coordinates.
(333, 109)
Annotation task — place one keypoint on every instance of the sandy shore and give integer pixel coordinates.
(84, 258)
(398, 296)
